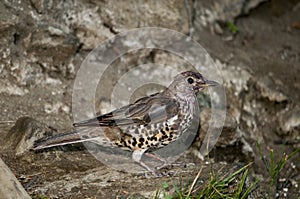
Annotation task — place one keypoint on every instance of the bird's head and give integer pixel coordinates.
(190, 82)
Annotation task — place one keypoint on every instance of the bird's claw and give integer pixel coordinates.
(165, 164)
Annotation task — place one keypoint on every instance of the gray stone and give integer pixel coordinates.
(10, 187)
(269, 88)
(228, 10)
(23, 134)
(289, 122)
(229, 134)
(209, 13)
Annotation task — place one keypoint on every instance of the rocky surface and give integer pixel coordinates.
(44, 43)
(10, 186)
(23, 134)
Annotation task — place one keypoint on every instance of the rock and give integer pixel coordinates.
(228, 10)
(166, 14)
(269, 88)
(10, 186)
(235, 81)
(51, 43)
(235, 78)
(95, 21)
(11, 89)
(23, 134)
(289, 123)
(229, 133)
(210, 12)
(260, 101)
(43, 41)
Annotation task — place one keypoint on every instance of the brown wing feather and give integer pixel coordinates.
(147, 110)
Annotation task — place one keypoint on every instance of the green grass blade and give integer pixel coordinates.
(242, 183)
(251, 188)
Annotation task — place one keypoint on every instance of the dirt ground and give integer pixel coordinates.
(266, 108)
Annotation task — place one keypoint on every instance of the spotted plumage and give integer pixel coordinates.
(150, 122)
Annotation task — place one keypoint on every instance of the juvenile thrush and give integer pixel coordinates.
(150, 122)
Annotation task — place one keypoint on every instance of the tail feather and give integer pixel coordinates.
(64, 139)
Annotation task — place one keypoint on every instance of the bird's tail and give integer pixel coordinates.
(82, 135)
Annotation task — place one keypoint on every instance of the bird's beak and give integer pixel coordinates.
(209, 83)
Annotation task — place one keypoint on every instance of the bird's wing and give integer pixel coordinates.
(152, 109)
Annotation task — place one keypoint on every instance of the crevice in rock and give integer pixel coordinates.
(16, 37)
(110, 27)
(34, 7)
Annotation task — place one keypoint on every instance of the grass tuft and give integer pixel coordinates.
(274, 165)
(227, 186)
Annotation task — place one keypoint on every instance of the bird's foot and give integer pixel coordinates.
(172, 165)
(165, 164)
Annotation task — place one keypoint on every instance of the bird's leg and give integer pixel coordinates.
(165, 163)
(137, 157)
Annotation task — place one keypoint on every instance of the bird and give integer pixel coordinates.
(149, 123)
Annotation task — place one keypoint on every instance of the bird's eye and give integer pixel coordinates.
(190, 80)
